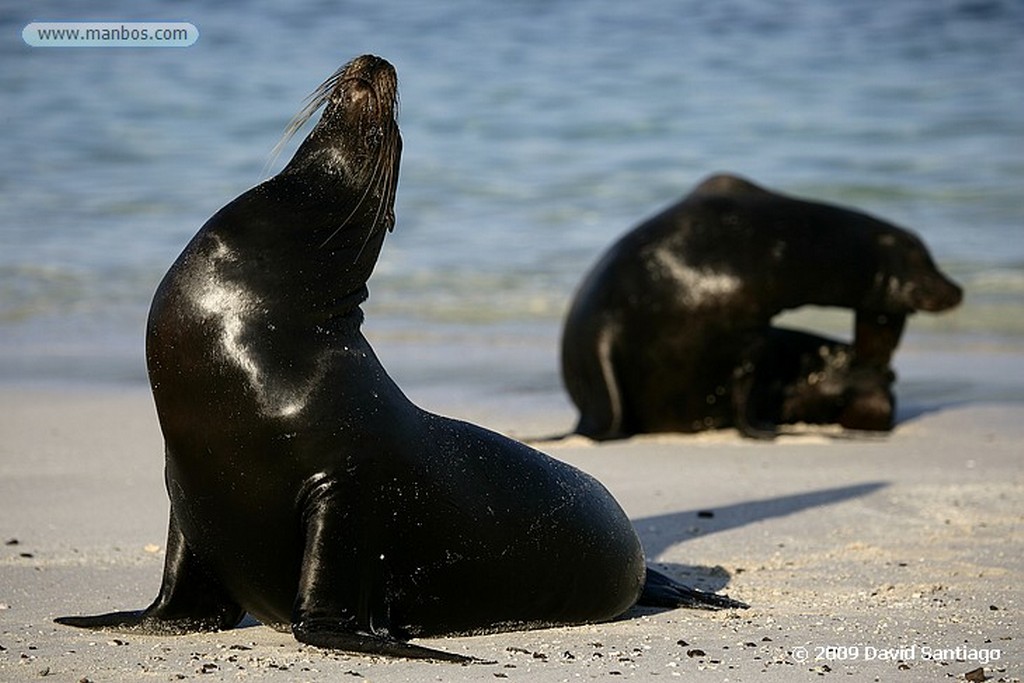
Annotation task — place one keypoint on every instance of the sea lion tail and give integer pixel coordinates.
(662, 591)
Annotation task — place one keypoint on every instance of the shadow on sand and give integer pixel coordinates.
(661, 532)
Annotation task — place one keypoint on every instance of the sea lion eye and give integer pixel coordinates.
(358, 94)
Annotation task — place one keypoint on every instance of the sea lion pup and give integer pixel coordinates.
(305, 488)
(670, 331)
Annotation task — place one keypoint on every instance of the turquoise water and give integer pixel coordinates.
(535, 134)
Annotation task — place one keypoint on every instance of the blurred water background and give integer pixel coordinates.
(535, 134)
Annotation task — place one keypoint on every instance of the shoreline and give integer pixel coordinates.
(512, 382)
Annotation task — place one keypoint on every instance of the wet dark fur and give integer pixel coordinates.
(305, 488)
(671, 330)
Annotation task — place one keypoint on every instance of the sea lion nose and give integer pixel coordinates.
(372, 65)
(956, 295)
(943, 294)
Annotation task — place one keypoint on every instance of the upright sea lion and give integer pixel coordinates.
(305, 488)
(670, 331)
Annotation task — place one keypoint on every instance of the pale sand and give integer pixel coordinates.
(914, 541)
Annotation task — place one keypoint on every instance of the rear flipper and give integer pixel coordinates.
(191, 600)
(148, 622)
(590, 377)
(662, 591)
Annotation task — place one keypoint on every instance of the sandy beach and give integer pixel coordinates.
(534, 136)
(898, 558)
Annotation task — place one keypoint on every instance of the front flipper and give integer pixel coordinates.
(191, 599)
(337, 634)
(748, 425)
(662, 591)
(871, 405)
(342, 597)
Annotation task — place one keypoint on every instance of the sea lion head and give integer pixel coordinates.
(908, 279)
(355, 148)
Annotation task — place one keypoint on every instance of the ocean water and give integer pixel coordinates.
(535, 134)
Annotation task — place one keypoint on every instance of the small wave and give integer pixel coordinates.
(1007, 280)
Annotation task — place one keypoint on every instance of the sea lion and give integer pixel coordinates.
(305, 488)
(670, 331)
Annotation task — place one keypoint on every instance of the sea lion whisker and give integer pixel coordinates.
(381, 182)
(384, 183)
(313, 102)
(345, 222)
(358, 204)
(378, 179)
(387, 184)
